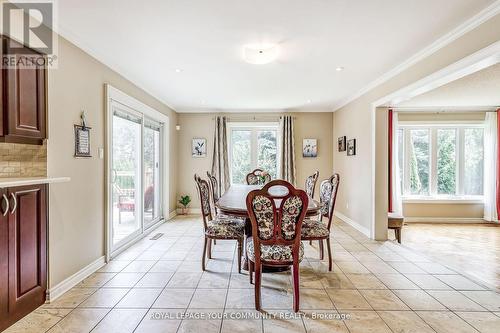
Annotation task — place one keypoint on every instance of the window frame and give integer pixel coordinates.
(433, 127)
(254, 127)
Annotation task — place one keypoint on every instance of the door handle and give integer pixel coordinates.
(6, 200)
(113, 176)
(14, 207)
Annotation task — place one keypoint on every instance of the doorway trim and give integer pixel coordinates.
(115, 95)
(470, 64)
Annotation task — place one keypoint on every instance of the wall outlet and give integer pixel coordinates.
(347, 205)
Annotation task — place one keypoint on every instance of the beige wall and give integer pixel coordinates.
(77, 208)
(355, 121)
(307, 125)
(451, 210)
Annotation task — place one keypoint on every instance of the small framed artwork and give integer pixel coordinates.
(351, 147)
(342, 143)
(199, 147)
(310, 148)
(82, 141)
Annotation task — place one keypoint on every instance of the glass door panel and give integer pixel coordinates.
(241, 155)
(126, 177)
(152, 202)
(267, 148)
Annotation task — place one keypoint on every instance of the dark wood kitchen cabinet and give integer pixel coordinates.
(24, 93)
(23, 249)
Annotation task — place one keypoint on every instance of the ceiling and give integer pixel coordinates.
(480, 89)
(147, 41)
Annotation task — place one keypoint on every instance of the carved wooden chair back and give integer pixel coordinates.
(328, 196)
(213, 186)
(276, 212)
(204, 193)
(311, 184)
(258, 177)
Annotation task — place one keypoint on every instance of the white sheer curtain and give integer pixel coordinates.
(490, 166)
(397, 202)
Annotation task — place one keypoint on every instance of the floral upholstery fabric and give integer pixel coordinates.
(314, 229)
(264, 215)
(215, 188)
(273, 252)
(225, 227)
(291, 210)
(325, 197)
(205, 197)
(310, 181)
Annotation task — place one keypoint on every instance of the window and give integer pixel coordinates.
(438, 160)
(252, 145)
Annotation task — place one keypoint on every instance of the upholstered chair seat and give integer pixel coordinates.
(314, 229)
(274, 253)
(225, 227)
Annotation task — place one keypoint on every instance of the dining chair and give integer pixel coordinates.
(311, 184)
(276, 220)
(258, 177)
(214, 189)
(218, 228)
(316, 229)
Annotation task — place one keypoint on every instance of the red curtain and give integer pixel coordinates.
(498, 163)
(390, 143)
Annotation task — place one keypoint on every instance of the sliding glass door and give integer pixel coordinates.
(135, 177)
(152, 194)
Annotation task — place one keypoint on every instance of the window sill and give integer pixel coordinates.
(445, 200)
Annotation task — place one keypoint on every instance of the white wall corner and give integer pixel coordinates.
(364, 230)
(68, 283)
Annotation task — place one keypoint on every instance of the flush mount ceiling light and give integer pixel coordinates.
(339, 69)
(260, 54)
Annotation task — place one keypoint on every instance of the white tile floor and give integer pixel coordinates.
(158, 286)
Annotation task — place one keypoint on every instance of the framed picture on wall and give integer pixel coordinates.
(82, 141)
(351, 147)
(199, 147)
(342, 143)
(310, 148)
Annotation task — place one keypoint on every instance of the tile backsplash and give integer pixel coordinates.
(20, 160)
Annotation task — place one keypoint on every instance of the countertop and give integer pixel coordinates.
(20, 181)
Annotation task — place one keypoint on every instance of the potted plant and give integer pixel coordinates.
(185, 200)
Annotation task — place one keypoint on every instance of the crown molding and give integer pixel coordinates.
(475, 62)
(467, 26)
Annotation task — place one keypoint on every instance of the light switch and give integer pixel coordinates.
(101, 153)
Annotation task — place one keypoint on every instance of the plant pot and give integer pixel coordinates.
(184, 210)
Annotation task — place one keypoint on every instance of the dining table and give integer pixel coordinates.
(233, 203)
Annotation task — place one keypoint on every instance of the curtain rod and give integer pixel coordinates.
(254, 118)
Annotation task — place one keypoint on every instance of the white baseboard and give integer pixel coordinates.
(172, 214)
(444, 220)
(68, 283)
(191, 211)
(354, 224)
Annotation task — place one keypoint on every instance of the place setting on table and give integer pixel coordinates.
(268, 219)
